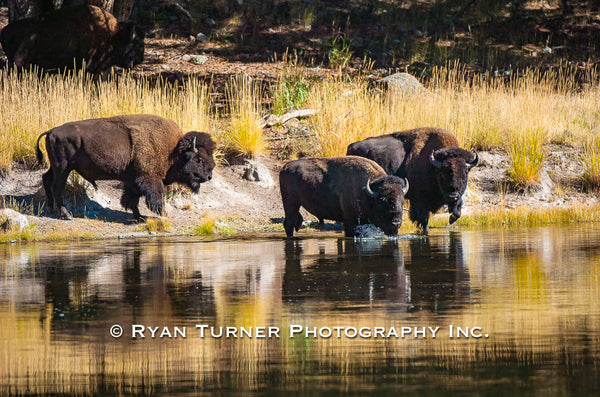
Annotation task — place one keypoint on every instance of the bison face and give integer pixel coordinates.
(452, 166)
(193, 162)
(385, 200)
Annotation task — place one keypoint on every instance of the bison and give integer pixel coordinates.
(146, 152)
(68, 37)
(436, 168)
(350, 189)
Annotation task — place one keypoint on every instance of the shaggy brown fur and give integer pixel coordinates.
(146, 152)
(70, 36)
(433, 184)
(337, 189)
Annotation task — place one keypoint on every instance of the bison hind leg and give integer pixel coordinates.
(47, 180)
(293, 219)
(57, 188)
(299, 222)
(154, 190)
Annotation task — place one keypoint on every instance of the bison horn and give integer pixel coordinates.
(405, 188)
(434, 162)
(474, 162)
(194, 145)
(369, 191)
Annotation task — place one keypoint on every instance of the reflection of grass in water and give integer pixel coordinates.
(530, 280)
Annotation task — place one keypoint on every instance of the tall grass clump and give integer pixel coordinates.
(347, 111)
(527, 155)
(32, 104)
(245, 135)
(590, 159)
(291, 91)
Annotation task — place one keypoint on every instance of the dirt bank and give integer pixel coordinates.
(234, 205)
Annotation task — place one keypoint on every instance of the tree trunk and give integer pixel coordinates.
(122, 9)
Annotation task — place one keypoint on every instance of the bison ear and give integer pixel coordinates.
(473, 162)
(434, 162)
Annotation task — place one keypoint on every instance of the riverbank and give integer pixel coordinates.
(232, 205)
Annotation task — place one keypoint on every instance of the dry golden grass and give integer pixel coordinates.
(483, 112)
(157, 225)
(36, 104)
(245, 136)
(591, 161)
(524, 216)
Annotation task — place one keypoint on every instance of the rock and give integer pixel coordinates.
(257, 172)
(201, 38)
(402, 84)
(12, 220)
(210, 22)
(199, 59)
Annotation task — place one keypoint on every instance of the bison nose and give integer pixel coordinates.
(209, 177)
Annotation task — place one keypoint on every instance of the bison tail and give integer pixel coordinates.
(38, 153)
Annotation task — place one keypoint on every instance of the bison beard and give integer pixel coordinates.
(146, 152)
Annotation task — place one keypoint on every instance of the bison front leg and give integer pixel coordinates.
(420, 216)
(131, 199)
(153, 189)
(293, 218)
(47, 179)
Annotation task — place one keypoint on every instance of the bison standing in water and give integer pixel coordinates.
(146, 152)
(353, 190)
(436, 168)
(68, 37)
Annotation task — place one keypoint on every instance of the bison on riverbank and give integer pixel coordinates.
(68, 37)
(353, 190)
(146, 152)
(436, 168)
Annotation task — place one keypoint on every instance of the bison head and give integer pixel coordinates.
(384, 204)
(452, 166)
(192, 160)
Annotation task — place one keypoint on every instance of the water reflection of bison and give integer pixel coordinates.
(439, 278)
(70, 36)
(350, 189)
(431, 277)
(353, 273)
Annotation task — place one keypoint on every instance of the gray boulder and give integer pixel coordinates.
(12, 220)
(402, 84)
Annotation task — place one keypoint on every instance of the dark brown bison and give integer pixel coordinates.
(353, 190)
(146, 152)
(436, 168)
(68, 37)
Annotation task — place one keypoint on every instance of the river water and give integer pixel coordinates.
(456, 313)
